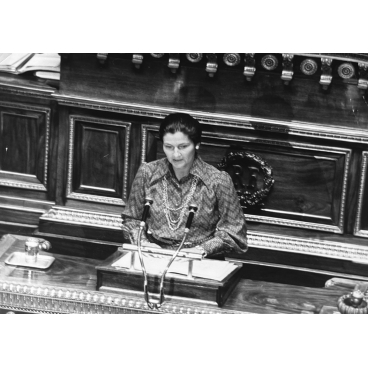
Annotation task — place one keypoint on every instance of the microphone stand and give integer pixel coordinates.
(156, 304)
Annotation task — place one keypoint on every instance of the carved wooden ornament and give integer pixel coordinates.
(236, 163)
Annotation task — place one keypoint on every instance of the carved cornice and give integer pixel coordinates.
(89, 197)
(57, 300)
(321, 248)
(47, 113)
(86, 218)
(358, 231)
(26, 91)
(295, 127)
(22, 185)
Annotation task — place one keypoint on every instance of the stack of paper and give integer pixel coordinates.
(21, 63)
(10, 63)
(206, 268)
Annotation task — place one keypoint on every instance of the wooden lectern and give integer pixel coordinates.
(190, 276)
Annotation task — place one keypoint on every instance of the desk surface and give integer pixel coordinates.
(69, 286)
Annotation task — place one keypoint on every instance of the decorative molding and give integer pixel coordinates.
(101, 57)
(27, 91)
(294, 223)
(174, 62)
(157, 56)
(358, 231)
(194, 58)
(22, 185)
(231, 59)
(287, 72)
(247, 198)
(326, 77)
(321, 248)
(89, 197)
(363, 76)
(211, 66)
(346, 70)
(269, 62)
(47, 112)
(56, 300)
(137, 60)
(308, 67)
(249, 68)
(79, 217)
(294, 127)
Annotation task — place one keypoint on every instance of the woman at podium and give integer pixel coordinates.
(177, 181)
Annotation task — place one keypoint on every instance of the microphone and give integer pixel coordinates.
(147, 205)
(192, 210)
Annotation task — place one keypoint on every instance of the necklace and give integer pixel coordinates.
(174, 224)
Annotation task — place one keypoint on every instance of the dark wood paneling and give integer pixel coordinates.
(98, 166)
(22, 144)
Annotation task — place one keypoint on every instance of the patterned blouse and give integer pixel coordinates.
(218, 225)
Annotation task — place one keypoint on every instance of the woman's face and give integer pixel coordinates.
(180, 151)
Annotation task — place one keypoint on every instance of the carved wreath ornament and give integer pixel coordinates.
(249, 198)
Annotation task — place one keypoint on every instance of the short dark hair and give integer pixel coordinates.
(180, 122)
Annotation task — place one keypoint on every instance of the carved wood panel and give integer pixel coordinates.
(310, 180)
(361, 222)
(24, 146)
(98, 160)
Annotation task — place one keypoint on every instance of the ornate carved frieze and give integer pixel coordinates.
(358, 231)
(26, 185)
(174, 62)
(79, 217)
(326, 69)
(56, 300)
(137, 60)
(321, 248)
(249, 68)
(287, 72)
(211, 66)
(363, 76)
(89, 197)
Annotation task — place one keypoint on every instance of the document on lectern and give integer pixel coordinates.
(206, 268)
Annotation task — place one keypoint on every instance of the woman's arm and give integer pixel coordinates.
(231, 230)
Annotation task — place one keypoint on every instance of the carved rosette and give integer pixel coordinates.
(269, 62)
(308, 67)
(231, 59)
(157, 56)
(346, 70)
(249, 68)
(194, 58)
(363, 76)
(247, 198)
